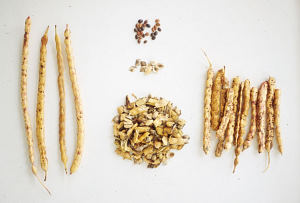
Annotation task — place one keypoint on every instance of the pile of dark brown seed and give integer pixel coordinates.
(140, 30)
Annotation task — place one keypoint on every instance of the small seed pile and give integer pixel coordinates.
(147, 68)
(140, 30)
(226, 111)
(147, 129)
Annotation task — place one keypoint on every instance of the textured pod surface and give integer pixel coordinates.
(261, 116)
(277, 119)
(40, 128)
(252, 130)
(61, 89)
(225, 86)
(78, 103)
(207, 110)
(270, 114)
(216, 99)
(225, 120)
(230, 130)
(239, 114)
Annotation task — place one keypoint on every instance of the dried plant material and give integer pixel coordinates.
(225, 86)
(270, 117)
(243, 120)
(147, 68)
(147, 129)
(78, 103)
(40, 128)
(276, 105)
(261, 116)
(61, 89)
(231, 125)
(225, 120)
(207, 107)
(239, 114)
(252, 131)
(24, 101)
(216, 99)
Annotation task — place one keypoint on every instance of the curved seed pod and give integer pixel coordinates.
(239, 114)
(277, 119)
(230, 130)
(261, 115)
(77, 101)
(216, 98)
(40, 128)
(270, 117)
(225, 120)
(252, 131)
(61, 89)
(207, 107)
(243, 120)
(24, 100)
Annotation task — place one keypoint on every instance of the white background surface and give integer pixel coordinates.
(254, 39)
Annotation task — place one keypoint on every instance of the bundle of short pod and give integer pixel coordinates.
(226, 111)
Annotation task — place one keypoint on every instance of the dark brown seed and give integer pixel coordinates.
(140, 20)
(139, 41)
(146, 21)
(153, 38)
(159, 29)
(136, 37)
(157, 24)
(153, 30)
(145, 41)
(155, 33)
(147, 34)
(142, 29)
(157, 21)
(148, 25)
(135, 30)
(143, 35)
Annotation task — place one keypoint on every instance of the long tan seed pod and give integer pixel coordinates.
(261, 115)
(24, 100)
(40, 128)
(207, 107)
(277, 119)
(225, 120)
(243, 120)
(270, 117)
(77, 101)
(245, 107)
(61, 89)
(225, 86)
(216, 99)
(252, 131)
(230, 130)
(239, 114)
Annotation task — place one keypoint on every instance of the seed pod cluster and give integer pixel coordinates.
(140, 30)
(226, 111)
(147, 129)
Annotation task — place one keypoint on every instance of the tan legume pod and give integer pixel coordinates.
(216, 99)
(230, 130)
(40, 128)
(252, 131)
(261, 115)
(61, 89)
(277, 119)
(225, 86)
(78, 103)
(239, 114)
(225, 120)
(207, 107)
